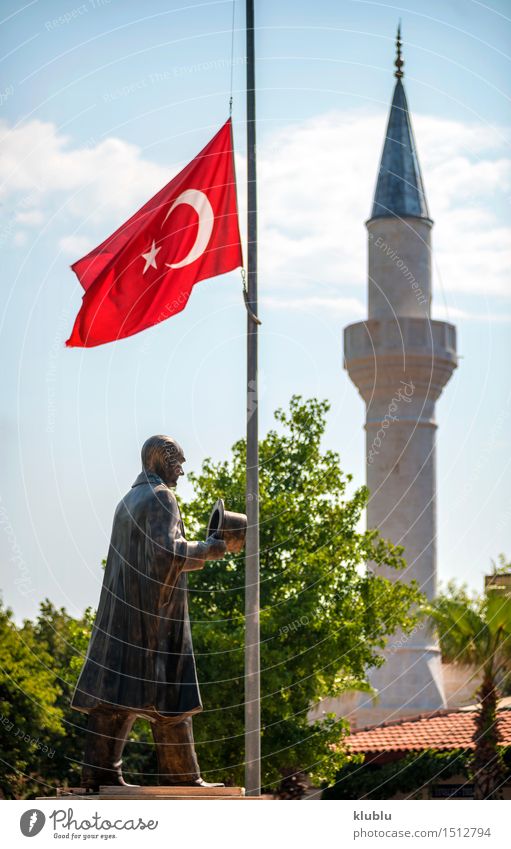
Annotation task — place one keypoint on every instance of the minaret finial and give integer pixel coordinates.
(399, 61)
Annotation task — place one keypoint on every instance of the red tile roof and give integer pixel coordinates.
(441, 730)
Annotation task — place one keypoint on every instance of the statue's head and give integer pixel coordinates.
(163, 456)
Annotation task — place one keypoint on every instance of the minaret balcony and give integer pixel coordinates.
(381, 355)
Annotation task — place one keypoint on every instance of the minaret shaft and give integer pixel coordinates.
(402, 486)
(399, 267)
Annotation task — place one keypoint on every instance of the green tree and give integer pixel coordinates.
(476, 632)
(65, 639)
(42, 737)
(409, 776)
(324, 617)
(29, 712)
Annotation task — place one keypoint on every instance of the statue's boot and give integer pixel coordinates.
(175, 752)
(107, 732)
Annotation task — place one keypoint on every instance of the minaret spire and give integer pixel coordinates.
(399, 188)
(399, 73)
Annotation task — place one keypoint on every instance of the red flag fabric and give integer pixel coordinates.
(144, 272)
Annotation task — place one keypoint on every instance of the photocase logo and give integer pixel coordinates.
(32, 822)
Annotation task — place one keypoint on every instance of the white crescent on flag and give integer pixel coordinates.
(203, 208)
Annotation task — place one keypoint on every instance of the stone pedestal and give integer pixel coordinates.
(152, 794)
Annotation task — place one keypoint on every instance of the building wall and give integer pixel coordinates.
(460, 684)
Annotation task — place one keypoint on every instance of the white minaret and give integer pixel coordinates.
(400, 360)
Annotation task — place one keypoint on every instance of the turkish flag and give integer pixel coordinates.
(144, 272)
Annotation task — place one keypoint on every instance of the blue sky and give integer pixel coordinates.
(101, 104)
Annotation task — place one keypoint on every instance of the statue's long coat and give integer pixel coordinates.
(140, 655)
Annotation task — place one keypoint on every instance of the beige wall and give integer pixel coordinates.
(459, 682)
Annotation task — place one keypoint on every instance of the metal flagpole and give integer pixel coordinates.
(252, 663)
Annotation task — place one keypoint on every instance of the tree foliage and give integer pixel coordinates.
(30, 716)
(323, 616)
(476, 632)
(408, 776)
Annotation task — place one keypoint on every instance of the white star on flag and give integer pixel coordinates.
(150, 257)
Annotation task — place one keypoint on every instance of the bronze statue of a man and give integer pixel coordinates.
(140, 658)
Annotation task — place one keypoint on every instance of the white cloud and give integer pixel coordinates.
(316, 185)
(316, 181)
(100, 184)
(444, 313)
(75, 246)
(30, 218)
